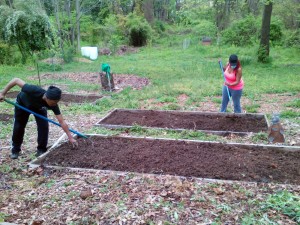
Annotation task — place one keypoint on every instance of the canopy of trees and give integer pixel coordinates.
(63, 25)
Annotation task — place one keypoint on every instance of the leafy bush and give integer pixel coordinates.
(111, 28)
(159, 26)
(292, 39)
(139, 30)
(242, 32)
(6, 56)
(49, 67)
(67, 54)
(275, 34)
(205, 28)
(262, 55)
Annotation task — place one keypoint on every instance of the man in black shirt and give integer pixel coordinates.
(39, 101)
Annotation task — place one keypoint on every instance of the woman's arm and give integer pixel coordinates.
(238, 78)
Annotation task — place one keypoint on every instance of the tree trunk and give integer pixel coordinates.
(9, 3)
(148, 10)
(78, 24)
(222, 9)
(264, 48)
(252, 6)
(56, 10)
(70, 31)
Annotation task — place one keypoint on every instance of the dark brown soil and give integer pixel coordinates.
(66, 97)
(6, 117)
(188, 120)
(183, 158)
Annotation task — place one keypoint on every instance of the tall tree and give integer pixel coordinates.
(264, 47)
(78, 23)
(28, 27)
(148, 8)
(252, 6)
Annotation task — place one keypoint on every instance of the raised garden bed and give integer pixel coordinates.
(256, 163)
(217, 123)
(66, 97)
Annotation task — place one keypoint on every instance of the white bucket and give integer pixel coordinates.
(93, 53)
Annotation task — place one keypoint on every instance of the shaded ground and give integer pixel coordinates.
(187, 120)
(183, 158)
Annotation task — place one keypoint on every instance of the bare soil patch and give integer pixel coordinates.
(121, 80)
(183, 158)
(187, 120)
(5, 117)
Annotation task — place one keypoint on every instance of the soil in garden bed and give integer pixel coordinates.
(66, 97)
(188, 120)
(183, 158)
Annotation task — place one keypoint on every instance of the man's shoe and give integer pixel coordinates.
(39, 153)
(14, 155)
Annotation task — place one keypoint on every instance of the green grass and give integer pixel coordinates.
(289, 114)
(284, 202)
(252, 108)
(294, 104)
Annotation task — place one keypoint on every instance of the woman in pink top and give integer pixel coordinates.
(234, 84)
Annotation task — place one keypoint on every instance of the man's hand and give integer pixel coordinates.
(74, 143)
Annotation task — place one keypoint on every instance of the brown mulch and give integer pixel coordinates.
(121, 80)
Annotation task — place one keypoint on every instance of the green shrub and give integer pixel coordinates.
(5, 53)
(49, 67)
(275, 34)
(139, 30)
(205, 28)
(292, 39)
(111, 27)
(262, 55)
(242, 32)
(159, 26)
(68, 54)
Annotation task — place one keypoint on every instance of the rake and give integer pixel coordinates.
(43, 117)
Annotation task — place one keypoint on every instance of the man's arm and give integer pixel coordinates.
(10, 85)
(65, 127)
